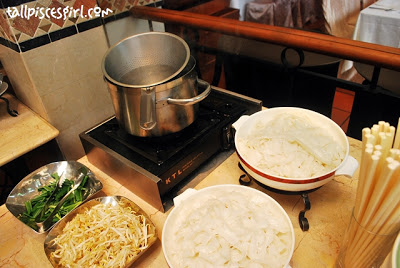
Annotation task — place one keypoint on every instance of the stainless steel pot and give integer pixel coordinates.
(146, 103)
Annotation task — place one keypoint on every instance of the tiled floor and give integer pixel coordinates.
(343, 100)
(341, 110)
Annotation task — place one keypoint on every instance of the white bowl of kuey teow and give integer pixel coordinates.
(227, 226)
(292, 149)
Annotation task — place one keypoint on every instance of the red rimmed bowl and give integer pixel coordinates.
(319, 128)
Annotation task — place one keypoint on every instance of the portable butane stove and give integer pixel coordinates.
(156, 168)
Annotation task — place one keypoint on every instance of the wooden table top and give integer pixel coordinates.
(23, 133)
(331, 207)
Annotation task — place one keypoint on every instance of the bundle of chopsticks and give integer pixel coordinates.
(377, 205)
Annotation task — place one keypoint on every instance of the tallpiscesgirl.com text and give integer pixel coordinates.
(64, 13)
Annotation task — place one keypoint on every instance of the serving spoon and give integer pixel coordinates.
(59, 184)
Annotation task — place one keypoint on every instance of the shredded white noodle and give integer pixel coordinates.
(229, 229)
(291, 146)
(102, 236)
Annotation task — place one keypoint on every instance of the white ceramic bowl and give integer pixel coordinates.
(245, 125)
(396, 253)
(222, 228)
(393, 258)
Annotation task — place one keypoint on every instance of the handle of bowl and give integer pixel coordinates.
(183, 196)
(148, 108)
(349, 167)
(236, 125)
(195, 99)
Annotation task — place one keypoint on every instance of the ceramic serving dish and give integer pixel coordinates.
(393, 258)
(227, 226)
(249, 128)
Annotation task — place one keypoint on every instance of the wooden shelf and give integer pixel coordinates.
(23, 133)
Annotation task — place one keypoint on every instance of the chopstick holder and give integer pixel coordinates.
(375, 220)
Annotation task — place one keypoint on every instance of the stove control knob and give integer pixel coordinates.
(227, 137)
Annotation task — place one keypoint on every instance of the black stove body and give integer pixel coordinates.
(152, 167)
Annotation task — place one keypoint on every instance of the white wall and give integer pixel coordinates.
(122, 28)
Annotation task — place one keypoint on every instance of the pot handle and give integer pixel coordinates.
(193, 100)
(349, 167)
(147, 108)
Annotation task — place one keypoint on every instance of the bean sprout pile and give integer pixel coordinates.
(103, 236)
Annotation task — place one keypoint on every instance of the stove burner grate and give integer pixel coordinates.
(160, 149)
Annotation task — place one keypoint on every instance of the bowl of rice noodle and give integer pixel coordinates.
(292, 149)
(227, 226)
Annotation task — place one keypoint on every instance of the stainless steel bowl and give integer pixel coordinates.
(50, 247)
(26, 189)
